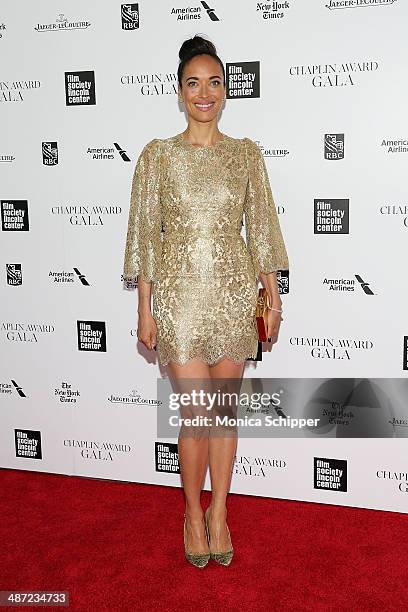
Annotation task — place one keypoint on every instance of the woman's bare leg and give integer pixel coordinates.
(221, 457)
(193, 453)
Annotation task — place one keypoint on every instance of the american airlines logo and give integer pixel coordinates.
(190, 13)
(64, 277)
(108, 152)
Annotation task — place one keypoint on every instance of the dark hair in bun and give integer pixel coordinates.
(196, 46)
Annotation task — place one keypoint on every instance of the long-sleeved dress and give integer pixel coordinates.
(184, 235)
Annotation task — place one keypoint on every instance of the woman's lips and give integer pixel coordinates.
(204, 106)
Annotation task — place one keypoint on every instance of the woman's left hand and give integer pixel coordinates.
(273, 325)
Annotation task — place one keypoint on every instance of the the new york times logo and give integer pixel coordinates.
(14, 216)
(331, 216)
(50, 153)
(91, 336)
(330, 474)
(130, 16)
(28, 443)
(14, 274)
(272, 10)
(243, 79)
(80, 88)
(334, 146)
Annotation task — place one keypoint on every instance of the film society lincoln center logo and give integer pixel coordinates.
(28, 443)
(243, 80)
(80, 88)
(14, 216)
(330, 474)
(91, 336)
(331, 216)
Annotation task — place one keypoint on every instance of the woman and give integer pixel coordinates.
(196, 187)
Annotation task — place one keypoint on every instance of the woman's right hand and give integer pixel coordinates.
(147, 329)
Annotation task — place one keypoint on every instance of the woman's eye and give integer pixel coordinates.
(193, 83)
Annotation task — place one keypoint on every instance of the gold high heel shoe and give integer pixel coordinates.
(224, 558)
(197, 559)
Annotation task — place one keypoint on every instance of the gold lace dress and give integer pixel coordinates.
(184, 235)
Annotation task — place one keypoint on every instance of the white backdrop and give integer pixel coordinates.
(331, 79)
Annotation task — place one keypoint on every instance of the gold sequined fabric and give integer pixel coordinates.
(186, 210)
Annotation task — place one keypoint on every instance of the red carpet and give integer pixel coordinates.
(118, 546)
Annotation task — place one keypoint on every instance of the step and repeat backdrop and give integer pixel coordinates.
(320, 86)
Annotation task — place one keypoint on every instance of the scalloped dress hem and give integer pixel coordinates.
(237, 359)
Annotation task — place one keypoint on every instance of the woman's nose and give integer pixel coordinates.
(203, 89)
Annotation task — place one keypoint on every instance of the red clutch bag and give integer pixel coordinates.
(262, 306)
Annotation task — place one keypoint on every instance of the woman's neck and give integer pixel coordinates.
(203, 134)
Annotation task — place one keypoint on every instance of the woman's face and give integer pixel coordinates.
(202, 88)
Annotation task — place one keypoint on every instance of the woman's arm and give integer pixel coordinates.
(264, 236)
(144, 295)
(270, 283)
(265, 241)
(147, 328)
(274, 317)
(143, 242)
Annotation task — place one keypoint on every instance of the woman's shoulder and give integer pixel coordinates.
(249, 142)
(152, 144)
(151, 150)
(246, 144)
(167, 143)
(240, 142)
(160, 144)
(252, 150)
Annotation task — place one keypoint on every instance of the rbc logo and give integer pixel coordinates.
(50, 153)
(334, 146)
